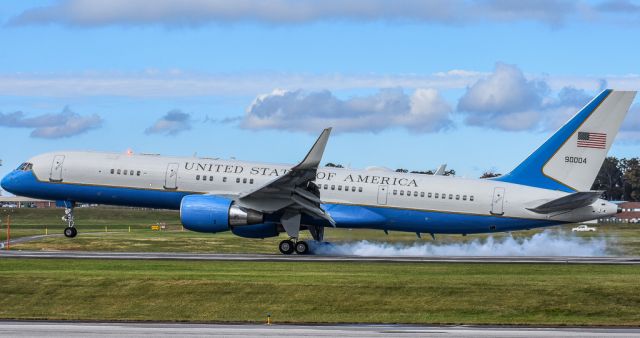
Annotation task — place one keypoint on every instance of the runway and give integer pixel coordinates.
(79, 329)
(316, 258)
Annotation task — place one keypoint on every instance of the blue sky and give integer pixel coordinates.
(403, 83)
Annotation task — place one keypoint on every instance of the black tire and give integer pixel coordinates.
(70, 232)
(302, 248)
(286, 247)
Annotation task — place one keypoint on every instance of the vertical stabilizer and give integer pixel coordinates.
(571, 158)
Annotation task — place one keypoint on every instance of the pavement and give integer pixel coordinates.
(316, 258)
(96, 329)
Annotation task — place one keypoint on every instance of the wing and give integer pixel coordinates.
(569, 202)
(294, 191)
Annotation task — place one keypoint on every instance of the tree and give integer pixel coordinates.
(631, 178)
(490, 174)
(402, 170)
(333, 165)
(428, 172)
(450, 172)
(610, 179)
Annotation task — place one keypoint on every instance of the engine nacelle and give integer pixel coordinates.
(264, 230)
(208, 213)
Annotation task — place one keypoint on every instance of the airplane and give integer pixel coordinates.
(260, 200)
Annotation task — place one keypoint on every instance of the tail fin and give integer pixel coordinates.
(571, 158)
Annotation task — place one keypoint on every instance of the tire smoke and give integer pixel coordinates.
(546, 243)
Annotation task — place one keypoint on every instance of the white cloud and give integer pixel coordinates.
(423, 111)
(51, 126)
(630, 130)
(172, 123)
(199, 12)
(508, 100)
(175, 83)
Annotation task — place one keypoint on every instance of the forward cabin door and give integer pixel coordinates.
(497, 205)
(382, 194)
(171, 177)
(56, 169)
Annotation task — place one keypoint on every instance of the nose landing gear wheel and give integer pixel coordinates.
(286, 247)
(70, 232)
(302, 248)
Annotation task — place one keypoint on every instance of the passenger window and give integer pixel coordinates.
(422, 194)
(346, 188)
(464, 197)
(471, 198)
(138, 173)
(437, 195)
(457, 197)
(395, 192)
(250, 181)
(429, 195)
(359, 189)
(238, 180)
(401, 192)
(224, 179)
(113, 171)
(450, 196)
(444, 196)
(197, 177)
(211, 178)
(326, 187)
(118, 171)
(244, 180)
(131, 172)
(415, 194)
(340, 188)
(124, 172)
(409, 193)
(353, 189)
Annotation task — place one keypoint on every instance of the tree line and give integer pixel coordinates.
(619, 178)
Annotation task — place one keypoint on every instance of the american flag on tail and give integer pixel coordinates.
(592, 140)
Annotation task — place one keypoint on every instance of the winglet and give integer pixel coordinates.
(313, 158)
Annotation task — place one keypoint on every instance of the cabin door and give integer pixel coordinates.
(382, 194)
(171, 177)
(497, 205)
(56, 169)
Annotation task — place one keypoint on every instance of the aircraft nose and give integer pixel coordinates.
(7, 182)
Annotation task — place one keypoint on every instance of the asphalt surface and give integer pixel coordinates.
(314, 258)
(79, 329)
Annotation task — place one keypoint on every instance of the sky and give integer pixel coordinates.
(405, 84)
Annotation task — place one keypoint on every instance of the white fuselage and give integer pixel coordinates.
(370, 188)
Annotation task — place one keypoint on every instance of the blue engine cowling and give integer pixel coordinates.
(210, 213)
(264, 230)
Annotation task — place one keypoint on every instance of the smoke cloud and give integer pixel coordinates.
(546, 243)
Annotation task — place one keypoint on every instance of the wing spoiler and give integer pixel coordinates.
(569, 202)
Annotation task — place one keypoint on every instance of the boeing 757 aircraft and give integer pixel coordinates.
(258, 200)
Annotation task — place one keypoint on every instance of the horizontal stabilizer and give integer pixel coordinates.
(569, 202)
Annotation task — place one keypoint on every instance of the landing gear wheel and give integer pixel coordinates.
(286, 247)
(70, 232)
(302, 248)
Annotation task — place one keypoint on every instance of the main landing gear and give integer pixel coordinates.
(288, 246)
(70, 231)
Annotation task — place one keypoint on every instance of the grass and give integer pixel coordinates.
(320, 292)
(91, 223)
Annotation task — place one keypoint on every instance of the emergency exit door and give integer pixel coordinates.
(497, 205)
(382, 194)
(171, 177)
(55, 175)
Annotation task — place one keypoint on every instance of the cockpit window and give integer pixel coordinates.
(25, 167)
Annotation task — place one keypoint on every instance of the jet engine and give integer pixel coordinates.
(209, 213)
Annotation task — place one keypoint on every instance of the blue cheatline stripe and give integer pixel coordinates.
(529, 172)
(346, 216)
